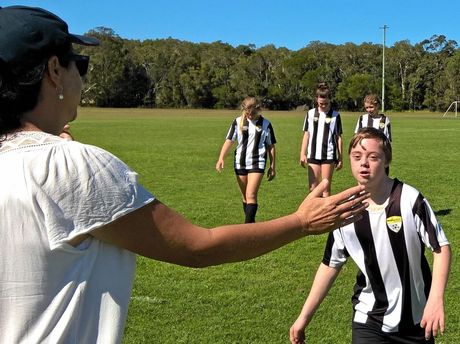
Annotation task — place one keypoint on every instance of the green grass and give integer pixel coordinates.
(175, 151)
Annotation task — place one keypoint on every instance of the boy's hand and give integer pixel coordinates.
(433, 318)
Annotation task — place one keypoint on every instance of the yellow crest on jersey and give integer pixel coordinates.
(328, 119)
(394, 223)
(382, 125)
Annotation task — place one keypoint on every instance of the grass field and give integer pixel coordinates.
(175, 151)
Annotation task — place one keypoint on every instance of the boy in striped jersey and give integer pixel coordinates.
(255, 140)
(396, 299)
(372, 118)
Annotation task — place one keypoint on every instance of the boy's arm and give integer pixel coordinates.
(324, 278)
(433, 314)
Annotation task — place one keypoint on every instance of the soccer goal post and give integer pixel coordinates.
(454, 107)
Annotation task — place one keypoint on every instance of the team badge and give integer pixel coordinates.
(258, 128)
(382, 125)
(394, 223)
(315, 119)
(245, 128)
(328, 120)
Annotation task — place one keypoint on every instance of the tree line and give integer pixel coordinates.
(169, 73)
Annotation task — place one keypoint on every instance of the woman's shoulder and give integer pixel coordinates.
(86, 152)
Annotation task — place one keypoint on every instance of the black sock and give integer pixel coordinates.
(244, 207)
(251, 210)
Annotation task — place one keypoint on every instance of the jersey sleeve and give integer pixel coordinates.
(271, 139)
(232, 132)
(335, 252)
(339, 130)
(85, 188)
(358, 124)
(305, 122)
(389, 130)
(429, 229)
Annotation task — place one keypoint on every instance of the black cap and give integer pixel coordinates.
(30, 33)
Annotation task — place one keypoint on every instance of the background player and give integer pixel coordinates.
(372, 117)
(322, 143)
(255, 138)
(395, 296)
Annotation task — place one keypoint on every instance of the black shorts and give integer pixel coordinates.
(321, 162)
(365, 334)
(244, 172)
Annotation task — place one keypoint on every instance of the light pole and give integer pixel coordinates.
(385, 27)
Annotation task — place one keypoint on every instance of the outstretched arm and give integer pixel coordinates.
(433, 314)
(325, 277)
(158, 232)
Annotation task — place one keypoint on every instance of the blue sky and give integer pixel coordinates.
(286, 23)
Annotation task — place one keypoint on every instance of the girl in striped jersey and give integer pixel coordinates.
(396, 299)
(255, 138)
(372, 118)
(322, 144)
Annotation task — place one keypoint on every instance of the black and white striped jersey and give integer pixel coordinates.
(388, 245)
(324, 129)
(381, 123)
(253, 138)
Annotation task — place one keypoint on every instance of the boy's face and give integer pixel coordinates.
(371, 109)
(368, 162)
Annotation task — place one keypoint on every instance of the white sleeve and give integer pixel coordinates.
(85, 188)
(335, 252)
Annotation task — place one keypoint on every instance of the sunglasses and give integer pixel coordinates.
(81, 61)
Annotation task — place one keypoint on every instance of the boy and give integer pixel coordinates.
(395, 298)
(372, 118)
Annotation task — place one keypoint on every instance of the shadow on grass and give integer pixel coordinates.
(443, 212)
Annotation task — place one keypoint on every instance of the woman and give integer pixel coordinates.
(322, 145)
(73, 216)
(256, 138)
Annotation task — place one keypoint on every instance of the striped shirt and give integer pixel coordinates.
(381, 123)
(253, 141)
(324, 129)
(388, 246)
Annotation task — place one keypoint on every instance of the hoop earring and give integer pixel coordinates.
(60, 92)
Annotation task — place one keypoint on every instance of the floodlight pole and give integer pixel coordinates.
(385, 27)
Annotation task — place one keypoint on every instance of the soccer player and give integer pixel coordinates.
(372, 117)
(255, 138)
(396, 299)
(322, 143)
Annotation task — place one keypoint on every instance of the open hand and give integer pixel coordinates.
(320, 215)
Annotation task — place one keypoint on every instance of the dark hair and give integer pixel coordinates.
(323, 91)
(19, 91)
(372, 133)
